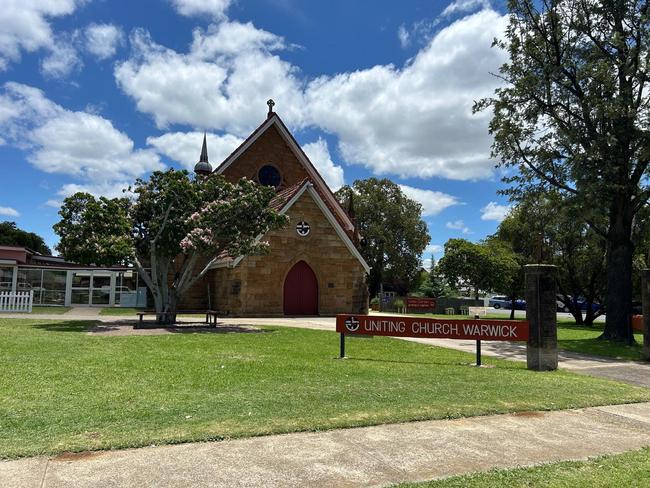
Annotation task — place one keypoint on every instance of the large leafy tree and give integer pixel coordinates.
(95, 230)
(173, 231)
(434, 284)
(482, 266)
(573, 115)
(393, 234)
(11, 235)
(544, 228)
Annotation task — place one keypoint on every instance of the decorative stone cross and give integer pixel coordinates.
(270, 103)
(303, 228)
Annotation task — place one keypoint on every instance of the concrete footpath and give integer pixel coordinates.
(365, 457)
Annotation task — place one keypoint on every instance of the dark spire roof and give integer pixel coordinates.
(204, 149)
(203, 167)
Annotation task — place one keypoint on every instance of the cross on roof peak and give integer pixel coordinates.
(270, 103)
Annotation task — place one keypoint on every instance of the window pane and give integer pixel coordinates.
(101, 281)
(6, 277)
(30, 279)
(80, 297)
(126, 288)
(100, 297)
(53, 287)
(81, 279)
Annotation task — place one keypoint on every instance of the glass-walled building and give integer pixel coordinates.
(55, 282)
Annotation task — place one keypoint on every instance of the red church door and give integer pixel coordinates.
(301, 291)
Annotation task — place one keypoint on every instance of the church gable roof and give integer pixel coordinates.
(282, 202)
(274, 121)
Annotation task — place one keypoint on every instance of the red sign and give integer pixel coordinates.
(420, 302)
(475, 329)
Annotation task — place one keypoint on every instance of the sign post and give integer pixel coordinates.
(541, 312)
(431, 328)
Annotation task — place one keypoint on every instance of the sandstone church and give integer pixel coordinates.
(313, 266)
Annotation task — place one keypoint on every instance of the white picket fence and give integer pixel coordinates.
(20, 301)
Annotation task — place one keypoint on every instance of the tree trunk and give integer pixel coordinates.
(618, 299)
(169, 308)
(577, 314)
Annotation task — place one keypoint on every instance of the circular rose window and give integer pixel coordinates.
(269, 176)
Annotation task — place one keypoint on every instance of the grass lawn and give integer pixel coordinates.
(51, 310)
(579, 338)
(119, 311)
(64, 390)
(631, 469)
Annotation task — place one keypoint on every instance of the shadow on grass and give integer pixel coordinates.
(220, 329)
(65, 326)
(429, 363)
(153, 329)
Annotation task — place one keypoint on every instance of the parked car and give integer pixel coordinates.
(580, 302)
(501, 301)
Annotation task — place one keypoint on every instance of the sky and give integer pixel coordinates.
(97, 93)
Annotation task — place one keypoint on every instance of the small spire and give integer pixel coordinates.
(270, 103)
(203, 167)
(204, 149)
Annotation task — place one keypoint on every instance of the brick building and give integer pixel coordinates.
(313, 266)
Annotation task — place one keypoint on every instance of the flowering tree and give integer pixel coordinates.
(177, 228)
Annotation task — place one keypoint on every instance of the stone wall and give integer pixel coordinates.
(269, 148)
(255, 286)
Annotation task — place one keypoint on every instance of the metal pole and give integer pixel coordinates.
(342, 347)
(478, 353)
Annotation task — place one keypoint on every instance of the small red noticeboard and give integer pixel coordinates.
(434, 328)
(417, 302)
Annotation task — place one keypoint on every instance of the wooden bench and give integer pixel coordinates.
(210, 315)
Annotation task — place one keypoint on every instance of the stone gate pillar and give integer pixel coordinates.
(541, 313)
(645, 298)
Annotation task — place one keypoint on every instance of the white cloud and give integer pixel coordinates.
(82, 145)
(417, 121)
(109, 189)
(62, 59)
(233, 38)
(54, 203)
(411, 121)
(9, 212)
(24, 25)
(403, 35)
(90, 147)
(430, 250)
(494, 211)
(319, 154)
(433, 202)
(217, 85)
(458, 225)
(102, 40)
(185, 147)
(461, 6)
(433, 249)
(215, 8)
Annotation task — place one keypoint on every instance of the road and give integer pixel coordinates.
(521, 314)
